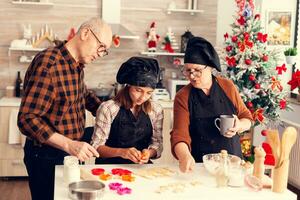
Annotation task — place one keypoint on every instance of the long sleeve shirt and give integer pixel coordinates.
(55, 96)
(106, 115)
(181, 123)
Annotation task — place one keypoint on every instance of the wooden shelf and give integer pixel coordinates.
(28, 3)
(24, 49)
(191, 11)
(159, 53)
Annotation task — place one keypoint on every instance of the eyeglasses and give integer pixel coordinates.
(195, 72)
(102, 51)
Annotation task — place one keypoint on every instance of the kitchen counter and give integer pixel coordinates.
(14, 101)
(196, 185)
(10, 101)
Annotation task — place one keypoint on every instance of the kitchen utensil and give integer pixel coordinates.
(288, 139)
(274, 141)
(86, 190)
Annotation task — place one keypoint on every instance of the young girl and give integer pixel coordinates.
(128, 128)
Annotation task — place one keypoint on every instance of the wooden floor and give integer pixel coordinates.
(18, 189)
(14, 189)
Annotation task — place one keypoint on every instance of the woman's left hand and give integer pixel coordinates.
(237, 127)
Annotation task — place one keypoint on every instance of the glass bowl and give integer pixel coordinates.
(212, 162)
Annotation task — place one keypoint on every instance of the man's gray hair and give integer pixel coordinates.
(95, 23)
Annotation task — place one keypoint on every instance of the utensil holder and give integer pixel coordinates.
(280, 177)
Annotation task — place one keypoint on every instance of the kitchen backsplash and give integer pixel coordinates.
(61, 17)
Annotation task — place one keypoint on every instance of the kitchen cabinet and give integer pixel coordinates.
(11, 156)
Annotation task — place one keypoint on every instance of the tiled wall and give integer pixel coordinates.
(70, 13)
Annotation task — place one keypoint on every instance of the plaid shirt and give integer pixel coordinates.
(108, 111)
(55, 96)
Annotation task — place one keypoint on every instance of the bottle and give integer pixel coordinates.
(222, 175)
(18, 85)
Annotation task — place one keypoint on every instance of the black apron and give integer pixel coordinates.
(127, 131)
(206, 138)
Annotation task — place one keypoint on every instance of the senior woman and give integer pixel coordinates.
(198, 104)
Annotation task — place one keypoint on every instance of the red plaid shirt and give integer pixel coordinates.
(55, 96)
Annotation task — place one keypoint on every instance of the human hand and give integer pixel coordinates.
(187, 163)
(82, 150)
(235, 129)
(131, 154)
(145, 156)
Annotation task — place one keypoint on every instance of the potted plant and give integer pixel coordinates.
(295, 83)
(290, 55)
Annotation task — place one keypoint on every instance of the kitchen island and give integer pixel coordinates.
(198, 184)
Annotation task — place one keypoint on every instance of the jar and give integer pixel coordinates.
(71, 170)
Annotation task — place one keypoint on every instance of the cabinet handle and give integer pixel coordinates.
(17, 162)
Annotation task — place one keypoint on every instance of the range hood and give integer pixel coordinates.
(111, 14)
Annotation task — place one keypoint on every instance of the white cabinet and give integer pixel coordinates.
(11, 155)
(166, 157)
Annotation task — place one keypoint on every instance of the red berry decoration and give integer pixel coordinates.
(249, 104)
(265, 58)
(257, 86)
(264, 132)
(234, 38)
(228, 48)
(251, 77)
(248, 62)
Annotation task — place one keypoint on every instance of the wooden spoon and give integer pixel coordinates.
(274, 141)
(289, 137)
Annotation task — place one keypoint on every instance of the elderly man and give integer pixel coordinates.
(52, 112)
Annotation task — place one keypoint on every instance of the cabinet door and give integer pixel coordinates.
(12, 168)
(4, 121)
(166, 156)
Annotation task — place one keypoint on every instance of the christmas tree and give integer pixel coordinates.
(253, 68)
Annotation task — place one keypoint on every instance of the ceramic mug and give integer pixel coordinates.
(226, 122)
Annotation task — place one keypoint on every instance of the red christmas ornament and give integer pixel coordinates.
(257, 86)
(231, 61)
(265, 58)
(228, 48)
(251, 77)
(262, 37)
(226, 36)
(282, 104)
(241, 21)
(234, 38)
(249, 104)
(246, 36)
(264, 133)
(280, 69)
(248, 61)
